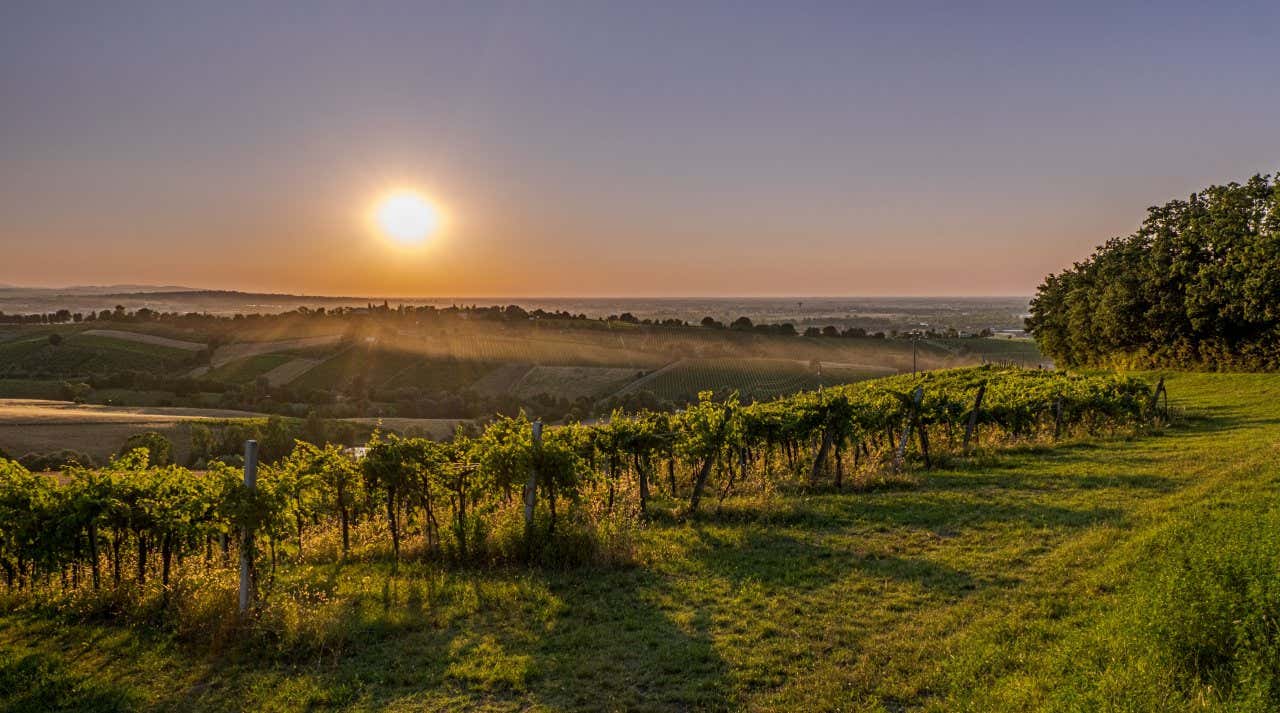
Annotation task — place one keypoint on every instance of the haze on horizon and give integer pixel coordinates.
(640, 149)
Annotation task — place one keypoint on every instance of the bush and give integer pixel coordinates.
(159, 448)
(56, 460)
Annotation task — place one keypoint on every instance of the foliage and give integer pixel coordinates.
(459, 501)
(159, 448)
(1197, 286)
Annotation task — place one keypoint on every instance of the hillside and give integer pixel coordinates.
(1067, 577)
(453, 363)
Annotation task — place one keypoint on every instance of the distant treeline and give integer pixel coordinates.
(495, 313)
(1197, 286)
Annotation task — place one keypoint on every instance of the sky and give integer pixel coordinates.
(614, 149)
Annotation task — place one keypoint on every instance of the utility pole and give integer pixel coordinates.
(915, 344)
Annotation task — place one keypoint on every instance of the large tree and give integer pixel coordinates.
(1197, 285)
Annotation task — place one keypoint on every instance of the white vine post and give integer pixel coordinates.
(246, 534)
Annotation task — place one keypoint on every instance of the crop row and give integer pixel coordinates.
(517, 491)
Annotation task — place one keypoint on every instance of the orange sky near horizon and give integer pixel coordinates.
(612, 149)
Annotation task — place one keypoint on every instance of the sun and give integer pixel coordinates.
(407, 217)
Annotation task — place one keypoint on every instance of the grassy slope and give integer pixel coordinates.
(81, 354)
(248, 368)
(1022, 582)
(751, 378)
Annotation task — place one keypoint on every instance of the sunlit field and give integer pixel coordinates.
(1095, 573)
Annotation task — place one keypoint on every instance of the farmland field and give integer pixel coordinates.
(144, 338)
(455, 366)
(248, 368)
(83, 353)
(1036, 579)
(246, 349)
(437, 428)
(573, 382)
(751, 378)
(32, 425)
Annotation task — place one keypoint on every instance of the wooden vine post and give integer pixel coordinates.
(247, 573)
(971, 428)
(531, 487)
(917, 397)
(1155, 400)
(1057, 418)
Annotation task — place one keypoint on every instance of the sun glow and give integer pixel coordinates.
(407, 217)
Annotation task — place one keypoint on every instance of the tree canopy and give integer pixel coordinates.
(1196, 286)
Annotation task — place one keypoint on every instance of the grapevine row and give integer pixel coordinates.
(469, 499)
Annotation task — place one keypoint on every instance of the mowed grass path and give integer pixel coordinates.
(986, 587)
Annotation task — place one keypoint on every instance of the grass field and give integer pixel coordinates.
(1045, 578)
(751, 378)
(247, 368)
(391, 369)
(30, 389)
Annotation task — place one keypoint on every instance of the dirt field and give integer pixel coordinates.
(40, 426)
(146, 339)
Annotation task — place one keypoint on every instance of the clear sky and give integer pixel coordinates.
(627, 148)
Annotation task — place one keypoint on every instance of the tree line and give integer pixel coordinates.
(1196, 286)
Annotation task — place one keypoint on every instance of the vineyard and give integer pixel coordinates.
(85, 353)
(751, 379)
(135, 522)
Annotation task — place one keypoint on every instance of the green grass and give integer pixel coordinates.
(81, 354)
(1021, 350)
(391, 369)
(1123, 574)
(249, 368)
(751, 378)
(30, 388)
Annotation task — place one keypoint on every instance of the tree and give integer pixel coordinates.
(1197, 285)
(159, 449)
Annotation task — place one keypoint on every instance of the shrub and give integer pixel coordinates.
(159, 448)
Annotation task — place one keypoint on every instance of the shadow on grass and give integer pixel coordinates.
(581, 640)
(43, 682)
(784, 562)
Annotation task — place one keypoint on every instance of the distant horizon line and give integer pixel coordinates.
(143, 289)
